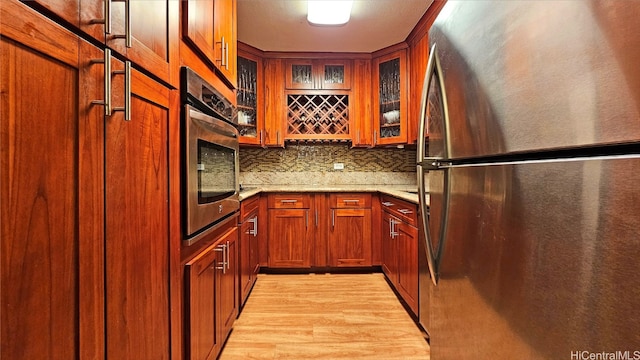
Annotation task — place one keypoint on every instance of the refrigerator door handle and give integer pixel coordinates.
(433, 164)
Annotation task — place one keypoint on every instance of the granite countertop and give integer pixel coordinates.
(404, 192)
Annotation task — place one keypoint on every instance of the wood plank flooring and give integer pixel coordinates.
(324, 316)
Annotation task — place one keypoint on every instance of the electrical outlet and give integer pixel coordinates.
(338, 166)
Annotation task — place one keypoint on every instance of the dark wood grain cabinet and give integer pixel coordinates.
(210, 29)
(349, 236)
(400, 248)
(326, 74)
(212, 295)
(290, 233)
(390, 98)
(85, 206)
(249, 263)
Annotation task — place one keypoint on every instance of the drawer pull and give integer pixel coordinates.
(351, 201)
(405, 211)
(387, 203)
(289, 201)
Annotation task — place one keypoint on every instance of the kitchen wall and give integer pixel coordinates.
(313, 165)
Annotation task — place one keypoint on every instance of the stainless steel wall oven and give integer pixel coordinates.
(210, 155)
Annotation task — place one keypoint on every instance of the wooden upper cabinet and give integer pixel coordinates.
(209, 27)
(225, 37)
(250, 97)
(197, 26)
(86, 15)
(305, 74)
(390, 94)
(275, 103)
(147, 44)
(361, 118)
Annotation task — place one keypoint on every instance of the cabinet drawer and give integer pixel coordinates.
(289, 201)
(406, 211)
(350, 200)
(248, 206)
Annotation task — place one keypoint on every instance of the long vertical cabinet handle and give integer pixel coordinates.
(222, 248)
(228, 259)
(433, 164)
(222, 52)
(333, 218)
(226, 63)
(127, 91)
(107, 17)
(107, 82)
(127, 24)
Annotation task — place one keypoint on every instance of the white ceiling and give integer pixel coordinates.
(281, 25)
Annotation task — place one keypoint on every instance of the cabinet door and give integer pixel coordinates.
(361, 104)
(225, 35)
(390, 98)
(275, 105)
(300, 74)
(250, 97)
(289, 238)
(201, 310)
(51, 191)
(86, 15)
(149, 32)
(227, 293)
(408, 265)
(197, 26)
(137, 221)
(334, 74)
(350, 237)
(247, 255)
(389, 247)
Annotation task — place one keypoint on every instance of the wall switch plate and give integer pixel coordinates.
(338, 166)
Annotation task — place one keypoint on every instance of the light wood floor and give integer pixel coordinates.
(324, 316)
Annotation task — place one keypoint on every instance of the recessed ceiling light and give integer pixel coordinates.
(329, 12)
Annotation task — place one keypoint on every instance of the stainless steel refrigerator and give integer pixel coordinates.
(532, 160)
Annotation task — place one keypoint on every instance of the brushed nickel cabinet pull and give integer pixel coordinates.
(222, 54)
(107, 18)
(107, 82)
(405, 211)
(387, 203)
(223, 249)
(127, 23)
(289, 201)
(127, 91)
(228, 262)
(351, 201)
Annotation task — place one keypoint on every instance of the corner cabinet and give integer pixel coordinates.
(390, 97)
(250, 97)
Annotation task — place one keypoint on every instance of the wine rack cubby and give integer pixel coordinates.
(317, 117)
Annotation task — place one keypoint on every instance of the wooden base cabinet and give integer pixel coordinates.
(349, 239)
(211, 288)
(249, 263)
(400, 248)
(290, 230)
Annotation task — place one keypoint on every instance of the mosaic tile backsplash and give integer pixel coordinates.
(313, 164)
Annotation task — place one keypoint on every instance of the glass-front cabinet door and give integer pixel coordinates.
(390, 94)
(250, 99)
(328, 74)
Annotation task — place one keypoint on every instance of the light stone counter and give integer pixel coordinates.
(404, 192)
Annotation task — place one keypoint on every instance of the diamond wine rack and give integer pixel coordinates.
(318, 117)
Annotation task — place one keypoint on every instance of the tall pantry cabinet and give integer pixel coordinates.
(84, 196)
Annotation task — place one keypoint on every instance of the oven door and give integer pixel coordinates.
(211, 160)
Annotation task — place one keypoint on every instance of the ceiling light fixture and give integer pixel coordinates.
(329, 12)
